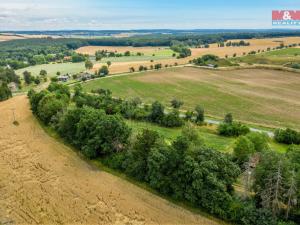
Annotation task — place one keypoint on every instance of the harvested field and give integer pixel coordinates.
(8, 37)
(263, 97)
(44, 182)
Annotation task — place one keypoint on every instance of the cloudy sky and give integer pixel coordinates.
(138, 14)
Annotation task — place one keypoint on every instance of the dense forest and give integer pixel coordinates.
(185, 169)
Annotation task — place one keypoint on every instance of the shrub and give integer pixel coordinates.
(287, 136)
(172, 119)
(233, 129)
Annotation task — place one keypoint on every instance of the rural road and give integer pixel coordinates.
(44, 182)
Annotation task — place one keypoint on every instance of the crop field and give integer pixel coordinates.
(52, 69)
(262, 97)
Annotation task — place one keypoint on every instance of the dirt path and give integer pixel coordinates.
(44, 182)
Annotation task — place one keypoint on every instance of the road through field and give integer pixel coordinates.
(44, 182)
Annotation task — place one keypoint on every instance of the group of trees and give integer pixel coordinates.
(231, 128)
(76, 57)
(287, 136)
(185, 169)
(28, 78)
(236, 44)
(129, 109)
(100, 54)
(7, 76)
(5, 92)
(181, 49)
(209, 59)
(22, 53)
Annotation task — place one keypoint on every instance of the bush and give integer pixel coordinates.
(287, 136)
(103, 71)
(233, 129)
(172, 119)
(157, 113)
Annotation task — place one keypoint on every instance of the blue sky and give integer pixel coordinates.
(138, 14)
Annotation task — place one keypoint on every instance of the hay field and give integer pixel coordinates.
(258, 96)
(44, 182)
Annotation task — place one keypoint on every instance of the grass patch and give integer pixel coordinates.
(52, 69)
(207, 133)
(278, 57)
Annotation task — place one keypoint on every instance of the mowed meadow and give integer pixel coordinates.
(258, 96)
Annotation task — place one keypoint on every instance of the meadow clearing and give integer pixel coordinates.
(53, 68)
(38, 173)
(257, 96)
(208, 134)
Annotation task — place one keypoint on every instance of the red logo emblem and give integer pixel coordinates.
(286, 15)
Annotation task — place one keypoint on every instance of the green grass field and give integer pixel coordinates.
(277, 57)
(156, 55)
(208, 135)
(262, 97)
(52, 69)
